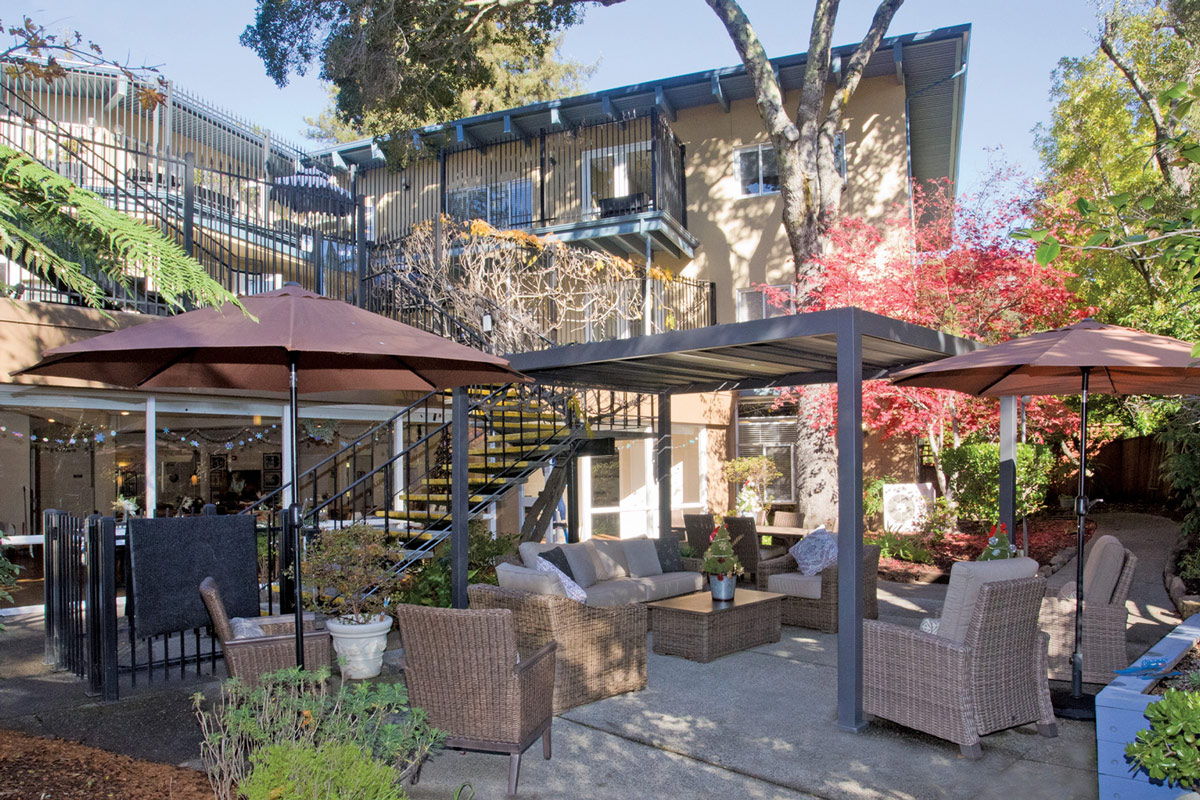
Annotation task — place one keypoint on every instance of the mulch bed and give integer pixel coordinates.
(1188, 664)
(1047, 537)
(37, 768)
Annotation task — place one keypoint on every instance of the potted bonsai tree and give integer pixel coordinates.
(349, 576)
(721, 565)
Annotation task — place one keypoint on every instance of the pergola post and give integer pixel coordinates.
(1008, 465)
(460, 491)
(850, 525)
(663, 465)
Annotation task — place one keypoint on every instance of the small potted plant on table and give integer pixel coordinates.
(721, 565)
(349, 574)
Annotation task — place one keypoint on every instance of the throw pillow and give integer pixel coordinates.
(930, 625)
(244, 628)
(558, 558)
(583, 567)
(642, 557)
(573, 589)
(815, 552)
(529, 579)
(669, 558)
(610, 559)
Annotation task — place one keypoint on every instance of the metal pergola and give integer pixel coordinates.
(844, 346)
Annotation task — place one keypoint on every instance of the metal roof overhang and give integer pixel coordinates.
(793, 350)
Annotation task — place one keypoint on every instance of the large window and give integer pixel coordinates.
(753, 304)
(774, 438)
(504, 205)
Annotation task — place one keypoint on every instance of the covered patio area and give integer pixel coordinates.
(844, 347)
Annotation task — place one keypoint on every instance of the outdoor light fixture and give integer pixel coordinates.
(485, 323)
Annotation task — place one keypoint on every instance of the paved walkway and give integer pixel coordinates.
(757, 724)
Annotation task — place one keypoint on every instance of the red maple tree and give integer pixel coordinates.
(951, 266)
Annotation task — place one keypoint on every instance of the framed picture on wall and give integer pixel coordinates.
(272, 479)
(217, 462)
(272, 461)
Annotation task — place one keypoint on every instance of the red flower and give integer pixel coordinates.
(721, 559)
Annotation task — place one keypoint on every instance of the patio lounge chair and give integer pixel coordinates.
(248, 657)
(1107, 575)
(812, 601)
(601, 651)
(985, 669)
(462, 667)
(748, 547)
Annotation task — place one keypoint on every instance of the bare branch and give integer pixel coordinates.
(767, 94)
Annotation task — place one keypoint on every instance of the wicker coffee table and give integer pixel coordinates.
(698, 628)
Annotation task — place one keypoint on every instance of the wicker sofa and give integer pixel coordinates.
(617, 587)
(812, 601)
(601, 651)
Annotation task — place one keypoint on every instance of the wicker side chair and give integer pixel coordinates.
(461, 666)
(1104, 626)
(601, 651)
(788, 519)
(995, 679)
(698, 528)
(748, 547)
(822, 613)
(248, 659)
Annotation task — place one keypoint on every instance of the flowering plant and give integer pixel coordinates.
(719, 558)
(998, 546)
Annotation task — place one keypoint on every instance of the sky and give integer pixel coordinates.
(1014, 47)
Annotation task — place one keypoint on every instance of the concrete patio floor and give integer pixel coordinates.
(756, 724)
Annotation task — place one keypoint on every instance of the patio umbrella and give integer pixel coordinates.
(1078, 359)
(302, 343)
(310, 190)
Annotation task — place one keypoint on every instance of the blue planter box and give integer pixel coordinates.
(1121, 713)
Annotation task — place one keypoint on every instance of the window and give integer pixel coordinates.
(504, 205)
(774, 438)
(757, 171)
(617, 180)
(753, 304)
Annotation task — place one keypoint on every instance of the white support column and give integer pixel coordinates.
(151, 457)
(289, 491)
(702, 443)
(398, 476)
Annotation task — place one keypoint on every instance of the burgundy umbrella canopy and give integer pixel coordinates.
(1081, 358)
(301, 343)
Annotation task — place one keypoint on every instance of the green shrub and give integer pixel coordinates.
(974, 474)
(8, 580)
(294, 706)
(873, 499)
(428, 583)
(300, 771)
(901, 546)
(1189, 565)
(1180, 437)
(1169, 750)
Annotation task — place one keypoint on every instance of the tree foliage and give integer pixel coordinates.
(959, 272)
(70, 237)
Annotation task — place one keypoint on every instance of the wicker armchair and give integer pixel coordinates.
(747, 545)
(1104, 625)
(699, 529)
(462, 667)
(995, 679)
(601, 651)
(822, 613)
(247, 659)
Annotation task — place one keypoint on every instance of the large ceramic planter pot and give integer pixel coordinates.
(722, 586)
(1121, 713)
(360, 645)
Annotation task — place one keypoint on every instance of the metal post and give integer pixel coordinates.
(189, 200)
(460, 491)
(1081, 511)
(361, 241)
(318, 262)
(151, 457)
(1008, 465)
(50, 523)
(573, 499)
(850, 527)
(102, 607)
(663, 466)
(291, 535)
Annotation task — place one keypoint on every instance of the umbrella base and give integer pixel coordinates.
(1070, 707)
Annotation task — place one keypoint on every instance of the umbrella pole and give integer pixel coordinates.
(294, 513)
(1078, 705)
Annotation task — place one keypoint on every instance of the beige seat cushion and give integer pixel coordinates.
(671, 584)
(795, 584)
(610, 556)
(1102, 569)
(616, 592)
(531, 550)
(510, 576)
(965, 579)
